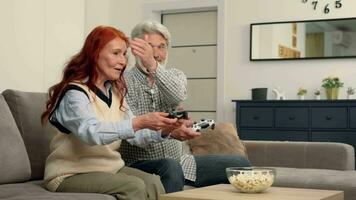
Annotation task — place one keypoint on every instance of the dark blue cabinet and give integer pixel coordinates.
(297, 120)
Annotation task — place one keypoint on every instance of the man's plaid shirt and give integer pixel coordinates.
(169, 89)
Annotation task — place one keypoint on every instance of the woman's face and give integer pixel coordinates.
(112, 61)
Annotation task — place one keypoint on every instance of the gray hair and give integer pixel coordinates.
(150, 27)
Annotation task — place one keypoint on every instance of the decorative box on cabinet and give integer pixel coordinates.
(297, 120)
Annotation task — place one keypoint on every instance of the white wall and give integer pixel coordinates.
(38, 36)
(241, 74)
(122, 14)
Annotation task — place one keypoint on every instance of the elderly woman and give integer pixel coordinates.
(91, 117)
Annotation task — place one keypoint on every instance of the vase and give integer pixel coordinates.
(350, 96)
(332, 93)
(317, 97)
(301, 97)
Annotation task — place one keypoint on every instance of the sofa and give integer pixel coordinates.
(316, 165)
(24, 146)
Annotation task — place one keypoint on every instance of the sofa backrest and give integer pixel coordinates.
(14, 161)
(315, 155)
(27, 107)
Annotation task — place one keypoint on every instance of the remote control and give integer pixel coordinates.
(178, 114)
(203, 124)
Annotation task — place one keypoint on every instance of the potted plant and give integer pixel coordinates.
(332, 85)
(350, 92)
(317, 93)
(301, 93)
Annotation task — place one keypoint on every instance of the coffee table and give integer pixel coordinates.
(228, 192)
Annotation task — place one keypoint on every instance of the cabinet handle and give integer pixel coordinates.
(291, 118)
(256, 118)
(328, 118)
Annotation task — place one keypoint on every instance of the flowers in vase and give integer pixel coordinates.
(350, 92)
(332, 82)
(302, 92)
(332, 85)
(317, 93)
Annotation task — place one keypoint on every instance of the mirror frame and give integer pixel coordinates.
(301, 58)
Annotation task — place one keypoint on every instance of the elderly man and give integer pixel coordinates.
(152, 87)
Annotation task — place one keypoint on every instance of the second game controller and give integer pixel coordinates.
(203, 124)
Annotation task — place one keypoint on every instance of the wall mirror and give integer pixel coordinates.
(313, 39)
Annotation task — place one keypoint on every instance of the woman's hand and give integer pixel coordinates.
(155, 121)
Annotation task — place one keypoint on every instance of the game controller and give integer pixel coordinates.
(203, 124)
(178, 114)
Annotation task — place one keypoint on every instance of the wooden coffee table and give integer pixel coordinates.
(228, 192)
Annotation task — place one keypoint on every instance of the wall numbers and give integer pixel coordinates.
(326, 7)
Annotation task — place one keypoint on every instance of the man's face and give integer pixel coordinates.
(159, 46)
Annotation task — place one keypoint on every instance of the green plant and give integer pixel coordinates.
(332, 82)
(317, 91)
(350, 90)
(302, 91)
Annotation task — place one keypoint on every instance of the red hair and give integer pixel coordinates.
(83, 65)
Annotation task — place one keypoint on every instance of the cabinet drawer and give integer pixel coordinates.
(353, 117)
(256, 117)
(343, 137)
(273, 135)
(292, 117)
(329, 117)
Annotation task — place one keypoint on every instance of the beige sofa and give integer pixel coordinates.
(24, 146)
(318, 165)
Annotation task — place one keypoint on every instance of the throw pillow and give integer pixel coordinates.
(223, 139)
(15, 165)
(27, 107)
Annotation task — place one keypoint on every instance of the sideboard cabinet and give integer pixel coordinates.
(297, 120)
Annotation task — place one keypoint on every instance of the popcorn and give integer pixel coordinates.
(252, 181)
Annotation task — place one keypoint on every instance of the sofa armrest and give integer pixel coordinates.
(317, 155)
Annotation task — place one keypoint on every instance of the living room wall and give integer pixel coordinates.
(240, 74)
(38, 36)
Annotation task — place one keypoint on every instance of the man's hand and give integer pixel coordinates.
(184, 131)
(143, 50)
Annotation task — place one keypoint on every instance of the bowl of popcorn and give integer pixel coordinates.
(251, 179)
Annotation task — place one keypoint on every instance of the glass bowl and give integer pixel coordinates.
(251, 179)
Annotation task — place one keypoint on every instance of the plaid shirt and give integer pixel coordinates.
(169, 89)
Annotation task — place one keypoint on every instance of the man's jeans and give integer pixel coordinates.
(168, 169)
(211, 168)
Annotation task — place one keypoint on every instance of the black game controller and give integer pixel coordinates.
(178, 114)
(203, 124)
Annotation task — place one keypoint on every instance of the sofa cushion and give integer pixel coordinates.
(223, 139)
(14, 162)
(27, 107)
(35, 191)
(317, 179)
